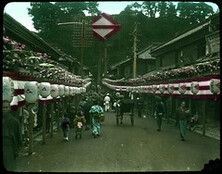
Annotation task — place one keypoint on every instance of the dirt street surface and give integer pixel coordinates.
(122, 148)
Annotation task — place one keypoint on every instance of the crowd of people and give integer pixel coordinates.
(86, 114)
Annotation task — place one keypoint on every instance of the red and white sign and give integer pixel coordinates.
(104, 27)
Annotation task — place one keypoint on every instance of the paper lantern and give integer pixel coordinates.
(74, 90)
(154, 88)
(143, 89)
(182, 88)
(45, 89)
(149, 89)
(8, 89)
(78, 90)
(195, 87)
(70, 90)
(14, 101)
(31, 91)
(54, 90)
(215, 86)
(171, 88)
(66, 90)
(161, 88)
(61, 90)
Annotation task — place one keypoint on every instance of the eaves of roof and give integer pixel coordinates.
(188, 33)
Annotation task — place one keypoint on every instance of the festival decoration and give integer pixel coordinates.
(8, 89)
(195, 87)
(61, 90)
(44, 89)
(170, 88)
(154, 88)
(31, 91)
(182, 88)
(54, 90)
(161, 88)
(215, 86)
(66, 90)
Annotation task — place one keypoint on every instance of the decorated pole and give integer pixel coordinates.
(54, 93)
(31, 96)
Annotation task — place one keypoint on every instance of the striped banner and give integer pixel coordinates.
(205, 88)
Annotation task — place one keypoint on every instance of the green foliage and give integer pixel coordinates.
(194, 12)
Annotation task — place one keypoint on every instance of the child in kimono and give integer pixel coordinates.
(79, 122)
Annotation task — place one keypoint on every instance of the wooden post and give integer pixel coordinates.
(58, 115)
(105, 61)
(31, 122)
(43, 124)
(204, 116)
(52, 118)
(99, 70)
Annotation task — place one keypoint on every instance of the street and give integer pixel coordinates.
(122, 148)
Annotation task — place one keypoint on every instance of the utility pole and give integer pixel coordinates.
(105, 61)
(82, 46)
(134, 50)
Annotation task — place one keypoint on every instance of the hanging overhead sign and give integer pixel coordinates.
(104, 27)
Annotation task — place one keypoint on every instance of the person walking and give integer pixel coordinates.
(183, 115)
(65, 127)
(107, 102)
(79, 122)
(11, 137)
(96, 112)
(140, 104)
(84, 106)
(160, 111)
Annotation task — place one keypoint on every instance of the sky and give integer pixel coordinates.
(19, 11)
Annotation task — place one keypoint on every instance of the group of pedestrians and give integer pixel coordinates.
(182, 114)
(89, 114)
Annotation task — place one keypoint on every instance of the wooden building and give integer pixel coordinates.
(144, 63)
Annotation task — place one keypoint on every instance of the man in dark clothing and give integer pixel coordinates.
(139, 103)
(65, 125)
(183, 115)
(11, 135)
(160, 111)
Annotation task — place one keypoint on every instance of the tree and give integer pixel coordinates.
(162, 8)
(194, 12)
(171, 10)
(44, 15)
(93, 8)
(150, 8)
